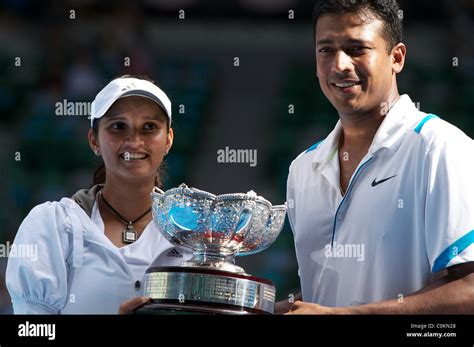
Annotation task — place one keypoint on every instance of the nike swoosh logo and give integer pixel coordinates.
(375, 183)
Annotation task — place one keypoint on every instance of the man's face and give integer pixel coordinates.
(353, 65)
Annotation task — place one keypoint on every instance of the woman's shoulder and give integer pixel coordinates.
(44, 221)
(51, 210)
(84, 198)
(46, 216)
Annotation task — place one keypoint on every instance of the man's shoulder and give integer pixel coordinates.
(435, 131)
(306, 157)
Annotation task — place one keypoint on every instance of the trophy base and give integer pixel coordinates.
(189, 290)
(164, 307)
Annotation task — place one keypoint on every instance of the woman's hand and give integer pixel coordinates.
(128, 306)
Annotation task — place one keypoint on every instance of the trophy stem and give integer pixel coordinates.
(215, 260)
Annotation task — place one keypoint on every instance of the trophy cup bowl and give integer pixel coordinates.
(216, 229)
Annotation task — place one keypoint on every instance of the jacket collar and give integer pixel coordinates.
(86, 198)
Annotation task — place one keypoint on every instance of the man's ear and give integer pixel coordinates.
(398, 54)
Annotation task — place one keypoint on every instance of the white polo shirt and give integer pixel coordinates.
(408, 211)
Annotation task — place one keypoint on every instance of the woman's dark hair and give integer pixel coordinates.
(388, 11)
(99, 174)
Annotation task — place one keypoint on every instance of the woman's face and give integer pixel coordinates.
(132, 139)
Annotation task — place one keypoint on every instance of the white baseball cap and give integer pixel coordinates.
(128, 86)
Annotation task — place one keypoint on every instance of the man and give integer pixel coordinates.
(382, 210)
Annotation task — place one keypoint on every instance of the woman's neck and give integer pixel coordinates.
(130, 199)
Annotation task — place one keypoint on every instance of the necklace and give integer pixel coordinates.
(129, 235)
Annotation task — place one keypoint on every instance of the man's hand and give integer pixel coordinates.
(300, 307)
(128, 306)
(283, 306)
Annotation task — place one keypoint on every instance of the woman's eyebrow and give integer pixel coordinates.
(156, 117)
(115, 117)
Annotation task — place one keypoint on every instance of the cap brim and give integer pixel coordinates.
(121, 88)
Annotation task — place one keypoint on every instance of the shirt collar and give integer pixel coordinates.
(394, 125)
(323, 154)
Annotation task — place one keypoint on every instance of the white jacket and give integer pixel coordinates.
(76, 268)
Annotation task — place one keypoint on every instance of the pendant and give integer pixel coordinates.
(129, 235)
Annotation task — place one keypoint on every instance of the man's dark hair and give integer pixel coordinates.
(388, 11)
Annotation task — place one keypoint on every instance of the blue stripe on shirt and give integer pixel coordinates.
(313, 147)
(423, 121)
(452, 251)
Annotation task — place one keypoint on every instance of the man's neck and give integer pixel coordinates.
(359, 132)
(359, 135)
(130, 199)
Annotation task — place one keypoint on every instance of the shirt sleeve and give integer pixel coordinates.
(449, 208)
(36, 275)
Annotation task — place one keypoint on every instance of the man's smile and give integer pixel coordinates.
(347, 86)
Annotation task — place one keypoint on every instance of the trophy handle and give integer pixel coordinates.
(245, 220)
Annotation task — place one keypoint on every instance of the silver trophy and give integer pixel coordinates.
(216, 229)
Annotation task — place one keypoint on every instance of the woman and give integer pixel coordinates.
(94, 248)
